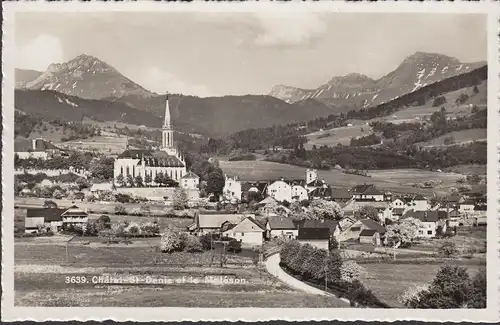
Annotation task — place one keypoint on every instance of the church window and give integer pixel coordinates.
(128, 171)
(168, 139)
(121, 170)
(176, 174)
(133, 171)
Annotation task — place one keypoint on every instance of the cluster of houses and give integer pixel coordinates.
(453, 211)
(37, 148)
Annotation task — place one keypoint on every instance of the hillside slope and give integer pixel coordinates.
(356, 90)
(24, 76)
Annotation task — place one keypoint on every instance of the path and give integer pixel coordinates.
(273, 267)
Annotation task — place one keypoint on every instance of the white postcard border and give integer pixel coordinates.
(11, 313)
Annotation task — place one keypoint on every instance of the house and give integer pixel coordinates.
(49, 218)
(35, 148)
(369, 236)
(353, 231)
(190, 181)
(253, 190)
(366, 192)
(232, 188)
(397, 203)
(288, 191)
(101, 187)
(330, 194)
(346, 222)
(353, 206)
(419, 203)
(210, 223)
(466, 207)
(429, 221)
(281, 227)
(332, 225)
(316, 237)
(75, 216)
(248, 231)
(54, 218)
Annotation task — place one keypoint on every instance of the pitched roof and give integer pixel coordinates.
(419, 198)
(74, 211)
(339, 194)
(268, 200)
(424, 216)
(216, 220)
(371, 224)
(313, 233)
(316, 182)
(152, 158)
(258, 223)
(281, 223)
(367, 232)
(190, 174)
(366, 189)
(24, 145)
(48, 214)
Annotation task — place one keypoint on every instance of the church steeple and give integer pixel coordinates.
(167, 131)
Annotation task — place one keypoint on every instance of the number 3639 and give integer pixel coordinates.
(75, 279)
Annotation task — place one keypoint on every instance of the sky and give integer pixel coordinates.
(215, 54)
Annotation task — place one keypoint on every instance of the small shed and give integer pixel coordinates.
(316, 237)
(369, 236)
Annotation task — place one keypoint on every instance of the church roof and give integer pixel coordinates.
(152, 158)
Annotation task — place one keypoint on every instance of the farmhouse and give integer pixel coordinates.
(419, 203)
(253, 190)
(281, 227)
(288, 191)
(248, 231)
(382, 207)
(466, 207)
(366, 192)
(36, 148)
(353, 232)
(54, 218)
(316, 237)
(167, 161)
(232, 188)
(331, 194)
(190, 181)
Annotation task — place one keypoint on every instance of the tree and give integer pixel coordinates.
(138, 181)
(50, 204)
(403, 233)
(215, 183)
(192, 244)
(103, 168)
(104, 222)
(170, 240)
(448, 249)
(451, 288)
(130, 180)
(145, 210)
(322, 209)
(368, 212)
(159, 179)
(82, 183)
(180, 199)
(475, 90)
(120, 180)
(478, 297)
(120, 209)
(148, 179)
(350, 271)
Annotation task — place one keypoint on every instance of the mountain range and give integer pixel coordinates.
(357, 90)
(88, 88)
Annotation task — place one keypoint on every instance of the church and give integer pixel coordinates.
(168, 160)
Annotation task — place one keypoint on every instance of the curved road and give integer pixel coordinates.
(273, 267)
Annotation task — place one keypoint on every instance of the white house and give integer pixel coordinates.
(35, 148)
(419, 203)
(429, 221)
(397, 203)
(190, 181)
(210, 223)
(466, 207)
(299, 193)
(281, 227)
(232, 188)
(75, 215)
(248, 232)
(280, 191)
(353, 231)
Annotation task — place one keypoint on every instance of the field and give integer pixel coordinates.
(389, 281)
(394, 180)
(108, 144)
(41, 271)
(463, 136)
(341, 135)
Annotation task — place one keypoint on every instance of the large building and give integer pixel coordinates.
(168, 160)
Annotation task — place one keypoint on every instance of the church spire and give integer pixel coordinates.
(166, 122)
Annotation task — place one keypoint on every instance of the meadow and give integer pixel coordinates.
(394, 180)
(41, 271)
(459, 137)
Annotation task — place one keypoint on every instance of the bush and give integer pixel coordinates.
(120, 209)
(170, 240)
(351, 271)
(206, 242)
(234, 246)
(448, 249)
(438, 101)
(192, 244)
(462, 99)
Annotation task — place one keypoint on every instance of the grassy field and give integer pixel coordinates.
(463, 136)
(389, 281)
(394, 180)
(40, 280)
(341, 135)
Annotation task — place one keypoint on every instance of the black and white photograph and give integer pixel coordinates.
(265, 159)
